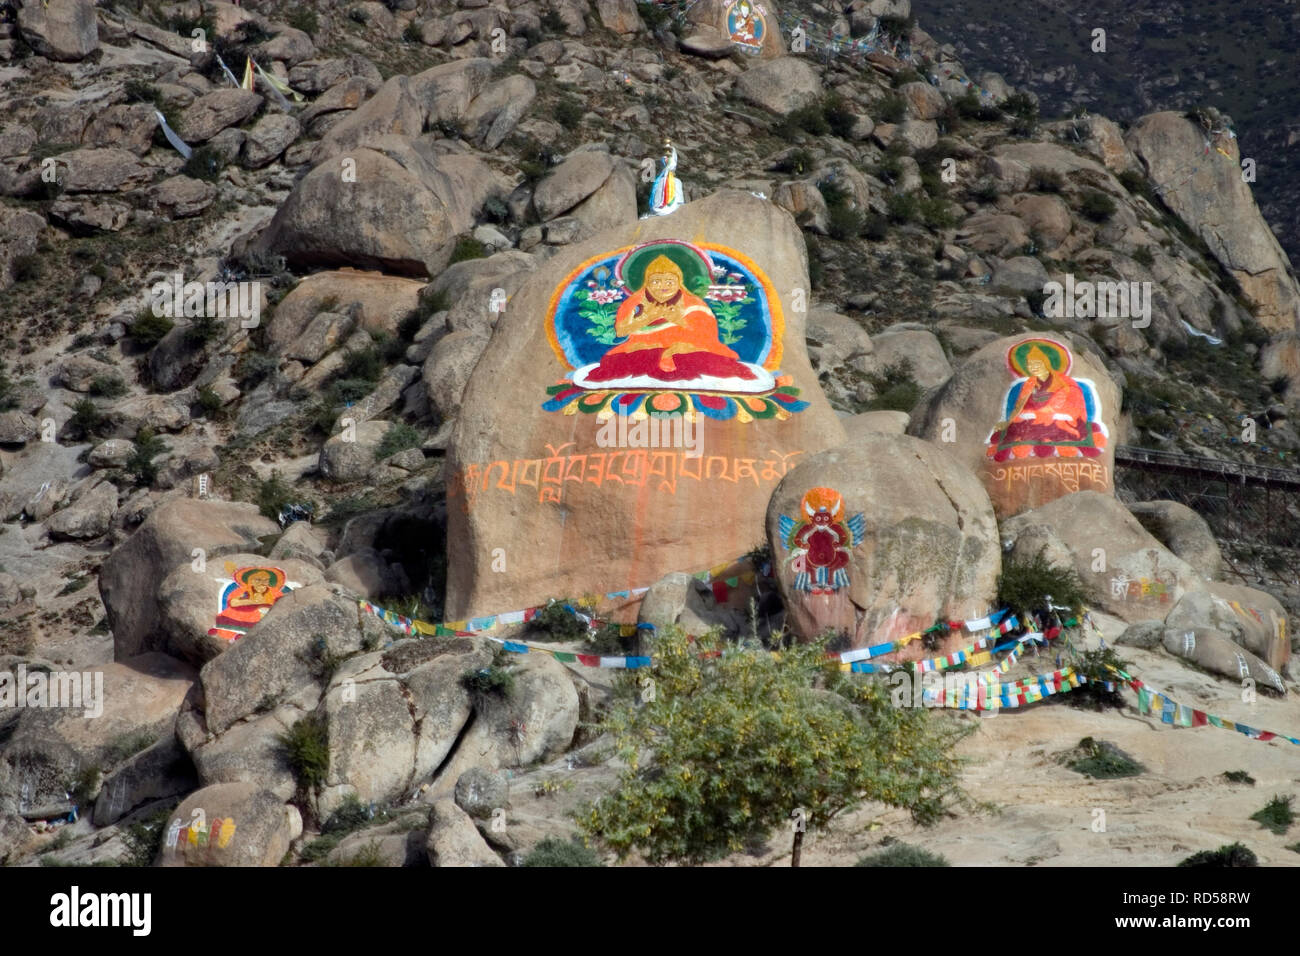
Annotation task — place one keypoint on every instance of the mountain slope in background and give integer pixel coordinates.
(1159, 55)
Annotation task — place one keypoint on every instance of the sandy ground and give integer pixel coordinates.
(1044, 812)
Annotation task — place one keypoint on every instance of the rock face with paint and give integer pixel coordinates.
(748, 26)
(638, 402)
(879, 540)
(1032, 416)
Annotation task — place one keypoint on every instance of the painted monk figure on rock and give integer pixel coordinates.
(671, 334)
(1047, 413)
(245, 600)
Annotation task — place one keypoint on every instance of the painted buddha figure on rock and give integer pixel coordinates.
(1048, 413)
(671, 335)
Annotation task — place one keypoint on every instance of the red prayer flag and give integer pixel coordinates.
(590, 660)
(1199, 718)
(720, 591)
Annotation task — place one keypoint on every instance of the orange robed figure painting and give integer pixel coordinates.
(245, 600)
(672, 334)
(1047, 413)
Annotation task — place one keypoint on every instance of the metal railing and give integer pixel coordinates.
(1245, 472)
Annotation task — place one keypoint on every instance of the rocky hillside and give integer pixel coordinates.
(418, 223)
(1159, 55)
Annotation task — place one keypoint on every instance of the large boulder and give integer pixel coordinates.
(1128, 573)
(261, 827)
(155, 773)
(454, 840)
(212, 112)
(1217, 653)
(283, 658)
(878, 540)
(395, 716)
(394, 109)
(1184, 532)
(1249, 618)
(51, 746)
(593, 186)
(495, 112)
(90, 516)
(179, 531)
(59, 29)
(351, 457)
(380, 301)
(395, 205)
(191, 601)
(780, 85)
(446, 91)
(751, 27)
(736, 396)
(1206, 190)
(1028, 449)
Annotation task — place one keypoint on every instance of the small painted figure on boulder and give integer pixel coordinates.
(245, 600)
(819, 541)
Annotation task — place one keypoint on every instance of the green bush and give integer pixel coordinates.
(303, 18)
(1238, 776)
(202, 330)
(209, 401)
(891, 108)
(896, 390)
(902, 207)
(141, 91)
(971, 107)
(364, 365)
(1021, 106)
(273, 495)
(254, 368)
(875, 227)
(554, 623)
(144, 839)
(1142, 255)
(1232, 854)
(108, 385)
(936, 213)
(148, 445)
(87, 420)
(809, 119)
(1025, 582)
(468, 247)
(1045, 180)
(717, 779)
(902, 854)
(839, 115)
(1097, 206)
(306, 748)
(489, 681)
(569, 113)
(204, 163)
(398, 438)
(984, 191)
(412, 33)
(27, 267)
(552, 851)
(1102, 760)
(845, 222)
(8, 390)
(146, 329)
(1099, 666)
(1276, 815)
(1135, 183)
